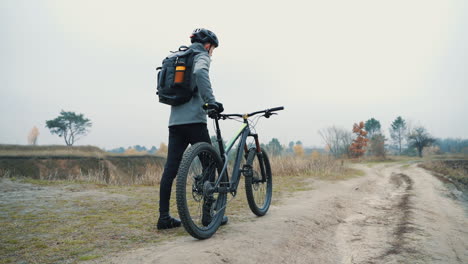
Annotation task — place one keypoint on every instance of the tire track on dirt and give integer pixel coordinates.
(404, 226)
(375, 232)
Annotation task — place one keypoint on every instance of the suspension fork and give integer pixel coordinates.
(257, 143)
(260, 156)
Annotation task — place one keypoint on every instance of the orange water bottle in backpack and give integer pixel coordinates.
(179, 73)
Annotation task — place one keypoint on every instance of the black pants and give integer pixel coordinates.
(180, 136)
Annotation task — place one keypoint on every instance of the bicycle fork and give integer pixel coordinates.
(260, 157)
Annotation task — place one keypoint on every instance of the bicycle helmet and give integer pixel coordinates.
(203, 35)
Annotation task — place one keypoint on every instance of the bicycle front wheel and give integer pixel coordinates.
(201, 207)
(259, 183)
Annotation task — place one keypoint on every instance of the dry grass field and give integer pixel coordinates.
(54, 219)
(51, 151)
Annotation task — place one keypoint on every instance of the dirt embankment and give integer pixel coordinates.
(394, 214)
(120, 170)
(455, 171)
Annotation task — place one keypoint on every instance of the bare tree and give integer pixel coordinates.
(419, 138)
(337, 140)
(32, 136)
(346, 141)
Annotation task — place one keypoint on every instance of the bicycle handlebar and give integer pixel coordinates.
(267, 112)
(279, 108)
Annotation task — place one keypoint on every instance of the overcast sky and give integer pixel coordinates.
(328, 62)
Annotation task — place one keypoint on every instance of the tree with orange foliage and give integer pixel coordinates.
(315, 155)
(133, 151)
(130, 151)
(358, 147)
(298, 150)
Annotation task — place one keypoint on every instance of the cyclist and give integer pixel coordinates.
(187, 122)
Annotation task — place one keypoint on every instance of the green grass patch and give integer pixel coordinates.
(43, 182)
(406, 166)
(88, 257)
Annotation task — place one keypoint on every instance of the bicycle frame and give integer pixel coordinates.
(203, 182)
(242, 133)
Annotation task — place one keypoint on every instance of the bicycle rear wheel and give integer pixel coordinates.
(259, 184)
(200, 207)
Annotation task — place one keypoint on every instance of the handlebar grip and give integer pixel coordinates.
(210, 106)
(279, 108)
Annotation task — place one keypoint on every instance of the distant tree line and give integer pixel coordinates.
(452, 145)
(136, 148)
(294, 148)
(367, 138)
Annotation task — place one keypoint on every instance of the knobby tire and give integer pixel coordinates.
(259, 192)
(200, 163)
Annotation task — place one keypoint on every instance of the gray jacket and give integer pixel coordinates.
(192, 111)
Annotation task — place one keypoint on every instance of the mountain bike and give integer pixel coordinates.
(203, 182)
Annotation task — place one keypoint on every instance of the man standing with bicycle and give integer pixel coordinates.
(187, 122)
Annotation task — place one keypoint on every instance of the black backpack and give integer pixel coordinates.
(174, 77)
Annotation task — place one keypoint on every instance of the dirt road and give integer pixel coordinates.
(394, 214)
